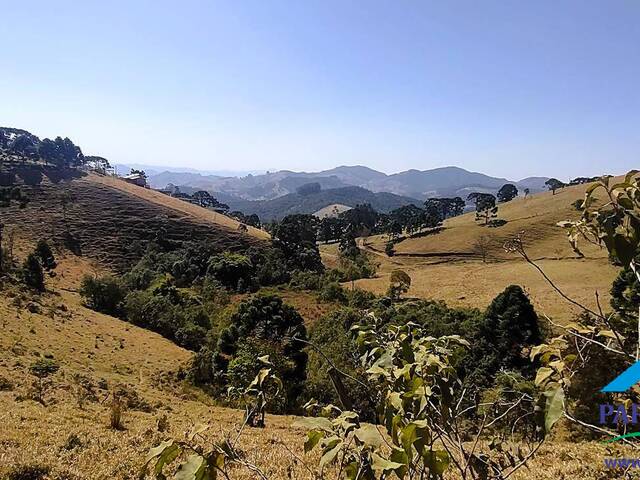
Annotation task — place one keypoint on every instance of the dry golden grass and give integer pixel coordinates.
(187, 208)
(447, 265)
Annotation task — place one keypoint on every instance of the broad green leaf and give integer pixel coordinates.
(330, 451)
(314, 423)
(383, 464)
(543, 374)
(164, 454)
(369, 435)
(437, 461)
(313, 437)
(554, 407)
(195, 468)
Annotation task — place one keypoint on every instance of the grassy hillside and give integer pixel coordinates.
(448, 265)
(109, 220)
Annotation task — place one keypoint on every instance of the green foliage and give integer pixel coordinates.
(486, 207)
(263, 324)
(419, 401)
(507, 193)
(625, 294)
(332, 292)
(389, 249)
(443, 208)
(32, 273)
(259, 393)
(43, 368)
(331, 335)
(295, 236)
(230, 269)
(103, 294)
(509, 328)
(554, 184)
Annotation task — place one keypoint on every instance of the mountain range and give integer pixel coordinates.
(418, 184)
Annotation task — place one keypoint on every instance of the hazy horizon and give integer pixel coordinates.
(507, 89)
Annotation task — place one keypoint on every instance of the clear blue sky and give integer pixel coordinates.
(510, 88)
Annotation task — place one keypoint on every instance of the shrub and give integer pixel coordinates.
(332, 292)
(32, 273)
(103, 294)
(45, 254)
(230, 269)
(28, 472)
(305, 280)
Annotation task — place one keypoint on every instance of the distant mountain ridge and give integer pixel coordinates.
(277, 208)
(415, 184)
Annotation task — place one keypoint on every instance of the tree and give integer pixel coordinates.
(481, 247)
(360, 220)
(412, 218)
(330, 229)
(399, 283)
(264, 325)
(203, 198)
(554, 184)
(486, 207)
(230, 269)
(103, 294)
(507, 192)
(510, 325)
(526, 192)
(295, 236)
(444, 208)
(348, 247)
(44, 252)
(32, 273)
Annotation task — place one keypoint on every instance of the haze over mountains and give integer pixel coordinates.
(438, 182)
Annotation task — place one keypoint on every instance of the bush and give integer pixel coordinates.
(32, 273)
(231, 270)
(28, 472)
(45, 254)
(103, 294)
(306, 280)
(332, 292)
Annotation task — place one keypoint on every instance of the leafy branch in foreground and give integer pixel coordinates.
(423, 413)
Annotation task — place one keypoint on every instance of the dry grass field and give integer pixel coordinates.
(448, 265)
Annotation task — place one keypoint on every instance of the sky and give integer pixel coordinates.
(511, 88)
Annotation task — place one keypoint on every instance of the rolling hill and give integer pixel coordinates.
(448, 265)
(107, 219)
